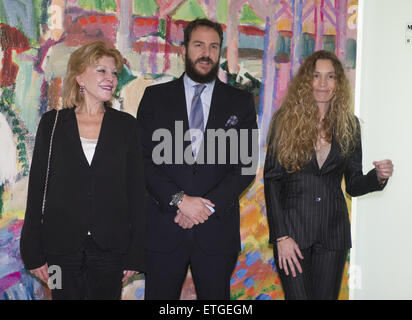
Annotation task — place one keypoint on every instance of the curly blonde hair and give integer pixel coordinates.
(79, 60)
(293, 131)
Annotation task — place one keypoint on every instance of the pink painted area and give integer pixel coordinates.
(86, 28)
(167, 46)
(15, 228)
(165, 4)
(176, 31)
(144, 26)
(269, 79)
(341, 21)
(9, 280)
(282, 81)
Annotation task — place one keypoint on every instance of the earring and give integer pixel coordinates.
(81, 89)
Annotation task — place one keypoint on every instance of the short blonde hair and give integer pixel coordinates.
(79, 60)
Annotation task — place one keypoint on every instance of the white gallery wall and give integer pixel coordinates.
(381, 257)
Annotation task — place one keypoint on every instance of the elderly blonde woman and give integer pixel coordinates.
(314, 141)
(92, 225)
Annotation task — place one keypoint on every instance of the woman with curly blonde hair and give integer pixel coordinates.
(314, 140)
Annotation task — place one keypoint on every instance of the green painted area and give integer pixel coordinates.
(190, 10)
(98, 5)
(40, 17)
(269, 289)
(222, 11)
(329, 43)
(161, 30)
(350, 59)
(250, 17)
(124, 78)
(245, 82)
(40, 11)
(307, 45)
(19, 131)
(236, 294)
(145, 7)
(27, 88)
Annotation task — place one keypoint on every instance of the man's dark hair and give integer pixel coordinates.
(202, 23)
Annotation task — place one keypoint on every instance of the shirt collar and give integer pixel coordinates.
(189, 83)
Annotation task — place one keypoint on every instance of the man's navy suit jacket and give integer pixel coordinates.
(161, 106)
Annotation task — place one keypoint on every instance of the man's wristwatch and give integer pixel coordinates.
(177, 199)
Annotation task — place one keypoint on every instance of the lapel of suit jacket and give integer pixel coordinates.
(214, 121)
(216, 105)
(71, 130)
(178, 101)
(330, 162)
(104, 136)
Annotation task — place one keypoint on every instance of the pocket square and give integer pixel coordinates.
(232, 121)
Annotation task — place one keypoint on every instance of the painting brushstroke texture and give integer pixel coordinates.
(265, 42)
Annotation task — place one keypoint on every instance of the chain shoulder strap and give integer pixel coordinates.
(48, 167)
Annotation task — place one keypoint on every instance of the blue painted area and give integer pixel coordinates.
(249, 282)
(27, 288)
(251, 41)
(139, 293)
(20, 15)
(241, 273)
(263, 296)
(272, 263)
(252, 257)
(9, 253)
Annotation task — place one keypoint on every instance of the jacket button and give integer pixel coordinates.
(194, 170)
(318, 199)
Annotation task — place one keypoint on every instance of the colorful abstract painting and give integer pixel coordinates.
(265, 41)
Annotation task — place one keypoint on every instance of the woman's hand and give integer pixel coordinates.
(41, 273)
(127, 274)
(384, 169)
(287, 250)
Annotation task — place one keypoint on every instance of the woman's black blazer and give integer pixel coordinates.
(105, 198)
(309, 205)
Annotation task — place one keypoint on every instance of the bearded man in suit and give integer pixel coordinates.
(193, 183)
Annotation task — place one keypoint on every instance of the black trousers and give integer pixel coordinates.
(321, 276)
(166, 272)
(88, 274)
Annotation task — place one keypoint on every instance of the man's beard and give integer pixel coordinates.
(195, 75)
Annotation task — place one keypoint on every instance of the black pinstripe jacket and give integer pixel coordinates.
(309, 205)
